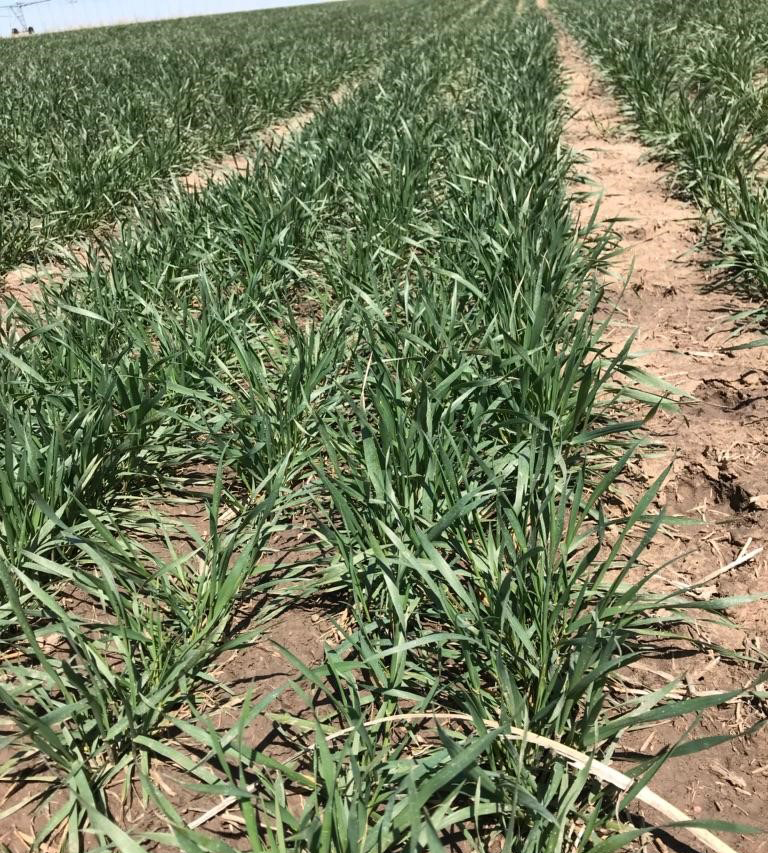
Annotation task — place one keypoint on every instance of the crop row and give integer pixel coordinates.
(383, 336)
(693, 77)
(91, 121)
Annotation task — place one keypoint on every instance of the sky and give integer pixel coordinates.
(64, 14)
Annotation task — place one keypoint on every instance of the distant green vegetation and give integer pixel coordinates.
(378, 358)
(694, 76)
(91, 120)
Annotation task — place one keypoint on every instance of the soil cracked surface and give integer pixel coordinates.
(715, 445)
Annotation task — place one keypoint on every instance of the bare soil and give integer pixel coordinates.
(246, 674)
(719, 476)
(23, 282)
(715, 445)
(271, 137)
(254, 671)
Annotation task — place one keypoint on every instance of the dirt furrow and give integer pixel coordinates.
(23, 282)
(715, 445)
(270, 138)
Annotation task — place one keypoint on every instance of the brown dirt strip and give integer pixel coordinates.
(715, 445)
(269, 138)
(22, 282)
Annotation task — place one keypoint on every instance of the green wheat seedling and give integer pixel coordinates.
(384, 338)
(692, 78)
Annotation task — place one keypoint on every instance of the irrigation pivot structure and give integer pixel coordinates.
(17, 11)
